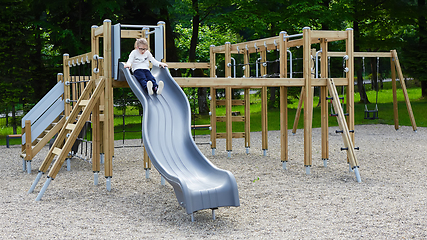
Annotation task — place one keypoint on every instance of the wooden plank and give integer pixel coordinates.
(242, 82)
(218, 49)
(229, 119)
(405, 92)
(108, 135)
(271, 44)
(28, 143)
(233, 102)
(394, 87)
(233, 135)
(338, 35)
(83, 103)
(348, 142)
(131, 33)
(323, 102)
(307, 98)
(57, 151)
(247, 118)
(79, 59)
(298, 112)
(70, 126)
(99, 31)
(264, 118)
(48, 136)
(284, 124)
(350, 86)
(195, 65)
(361, 54)
(233, 118)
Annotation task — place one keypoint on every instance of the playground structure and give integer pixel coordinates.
(94, 100)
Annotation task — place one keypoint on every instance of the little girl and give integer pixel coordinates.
(139, 60)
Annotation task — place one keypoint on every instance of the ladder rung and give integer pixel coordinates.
(70, 126)
(83, 103)
(57, 151)
(39, 139)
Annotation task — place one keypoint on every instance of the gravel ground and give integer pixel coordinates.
(389, 203)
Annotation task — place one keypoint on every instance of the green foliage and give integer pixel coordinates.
(208, 35)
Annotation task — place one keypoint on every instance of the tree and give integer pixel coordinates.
(15, 52)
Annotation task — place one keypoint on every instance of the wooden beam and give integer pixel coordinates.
(99, 31)
(233, 102)
(131, 33)
(394, 87)
(233, 118)
(361, 54)
(405, 92)
(341, 35)
(198, 65)
(233, 135)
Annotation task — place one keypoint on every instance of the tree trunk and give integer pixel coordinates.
(14, 125)
(202, 92)
(422, 31)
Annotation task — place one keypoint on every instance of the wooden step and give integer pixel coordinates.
(84, 103)
(70, 126)
(57, 151)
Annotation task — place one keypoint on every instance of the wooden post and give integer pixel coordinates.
(393, 82)
(213, 98)
(66, 70)
(96, 126)
(228, 98)
(323, 101)
(283, 68)
(247, 118)
(247, 74)
(96, 140)
(350, 78)
(405, 92)
(28, 143)
(307, 97)
(108, 104)
(264, 106)
(147, 162)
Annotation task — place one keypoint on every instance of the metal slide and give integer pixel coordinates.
(198, 184)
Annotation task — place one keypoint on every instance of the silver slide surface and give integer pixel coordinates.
(166, 127)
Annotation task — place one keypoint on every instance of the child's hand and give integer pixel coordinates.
(127, 65)
(163, 65)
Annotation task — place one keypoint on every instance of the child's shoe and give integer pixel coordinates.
(160, 88)
(150, 88)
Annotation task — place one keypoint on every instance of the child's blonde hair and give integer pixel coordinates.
(141, 41)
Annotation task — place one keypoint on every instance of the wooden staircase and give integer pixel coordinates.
(70, 131)
(348, 142)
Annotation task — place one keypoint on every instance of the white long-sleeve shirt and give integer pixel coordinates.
(141, 61)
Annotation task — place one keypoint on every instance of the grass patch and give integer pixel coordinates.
(132, 125)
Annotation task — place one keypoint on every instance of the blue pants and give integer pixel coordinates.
(144, 75)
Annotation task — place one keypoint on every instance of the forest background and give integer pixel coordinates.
(36, 33)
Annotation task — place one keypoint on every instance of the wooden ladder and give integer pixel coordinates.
(70, 131)
(348, 142)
